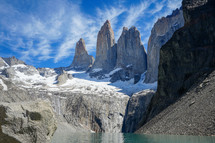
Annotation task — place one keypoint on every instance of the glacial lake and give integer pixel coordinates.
(64, 137)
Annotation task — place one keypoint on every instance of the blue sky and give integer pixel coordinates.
(43, 33)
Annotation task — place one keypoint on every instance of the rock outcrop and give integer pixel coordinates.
(105, 49)
(82, 60)
(189, 54)
(63, 77)
(161, 32)
(27, 122)
(130, 51)
(136, 110)
(13, 61)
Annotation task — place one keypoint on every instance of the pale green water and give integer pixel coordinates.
(127, 138)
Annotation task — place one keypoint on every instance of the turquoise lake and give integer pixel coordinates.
(127, 138)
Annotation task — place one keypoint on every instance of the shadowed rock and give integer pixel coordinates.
(186, 57)
(161, 32)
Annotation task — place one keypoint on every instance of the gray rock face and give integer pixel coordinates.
(160, 34)
(98, 113)
(13, 61)
(105, 49)
(63, 77)
(81, 61)
(136, 110)
(123, 74)
(27, 122)
(193, 114)
(130, 51)
(9, 92)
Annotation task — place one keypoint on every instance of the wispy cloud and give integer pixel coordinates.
(173, 4)
(32, 31)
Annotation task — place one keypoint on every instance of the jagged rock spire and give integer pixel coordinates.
(130, 50)
(105, 48)
(82, 60)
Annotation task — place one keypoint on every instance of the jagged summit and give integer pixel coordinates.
(13, 61)
(130, 50)
(105, 49)
(82, 60)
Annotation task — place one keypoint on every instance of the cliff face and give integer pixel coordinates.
(95, 112)
(189, 54)
(105, 49)
(81, 61)
(136, 110)
(130, 51)
(160, 34)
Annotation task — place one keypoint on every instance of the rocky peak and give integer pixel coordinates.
(161, 32)
(130, 51)
(80, 47)
(105, 49)
(13, 61)
(81, 61)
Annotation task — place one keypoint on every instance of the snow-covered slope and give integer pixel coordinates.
(46, 78)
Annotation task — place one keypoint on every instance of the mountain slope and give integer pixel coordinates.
(193, 114)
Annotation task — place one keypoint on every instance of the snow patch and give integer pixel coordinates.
(19, 66)
(3, 84)
(97, 70)
(112, 72)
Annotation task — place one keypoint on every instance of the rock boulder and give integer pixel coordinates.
(26, 122)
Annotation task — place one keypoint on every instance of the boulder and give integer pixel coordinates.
(27, 122)
(161, 32)
(81, 61)
(63, 77)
